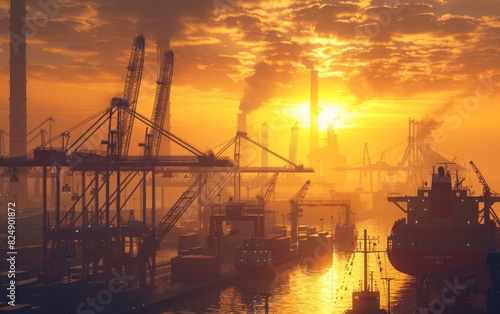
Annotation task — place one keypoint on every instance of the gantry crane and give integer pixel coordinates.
(490, 197)
(296, 200)
(131, 92)
(268, 191)
(153, 140)
(118, 140)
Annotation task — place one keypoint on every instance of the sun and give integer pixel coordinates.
(329, 113)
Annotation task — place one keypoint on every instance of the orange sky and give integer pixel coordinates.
(380, 62)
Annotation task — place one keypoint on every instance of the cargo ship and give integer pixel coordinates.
(346, 234)
(256, 257)
(255, 260)
(443, 229)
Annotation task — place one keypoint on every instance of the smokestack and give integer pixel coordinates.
(313, 126)
(265, 142)
(242, 122)
(18, 115)
(18, 188)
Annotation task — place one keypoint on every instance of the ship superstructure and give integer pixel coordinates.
(444, 228)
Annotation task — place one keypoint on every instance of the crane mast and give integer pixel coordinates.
(268, 190)
(295, 211)
(153, 140)
(131, 92)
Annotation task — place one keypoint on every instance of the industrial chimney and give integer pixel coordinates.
(242, 122)
(18, 118)
(17, 78)
(313, 126)
(264, 157)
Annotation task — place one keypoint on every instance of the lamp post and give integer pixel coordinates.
(284, 224)
(416, 270)
(321, 224)
(331, 217)
(69, 254)
(388, 279)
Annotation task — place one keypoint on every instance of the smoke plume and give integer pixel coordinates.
(264, 84)
(426, 126)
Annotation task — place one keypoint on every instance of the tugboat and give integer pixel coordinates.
(255, 260)
(443, 230)
(366, 300)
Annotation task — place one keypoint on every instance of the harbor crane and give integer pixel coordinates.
(295, 211)
(118, 141)
(153, 140)
(268, 190)
(131, 92)
(490, 197)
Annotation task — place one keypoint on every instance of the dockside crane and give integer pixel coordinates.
(162, 98)
(118, 141)
(295, 211)
(268, 191)
(490, 197)
(131, 92)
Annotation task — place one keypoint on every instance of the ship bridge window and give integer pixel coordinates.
(426, 209)
(457, 194)
(426, 194)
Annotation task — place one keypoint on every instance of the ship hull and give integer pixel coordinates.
(425, 262)
(345, 238)
(253, 271)
(269, 270)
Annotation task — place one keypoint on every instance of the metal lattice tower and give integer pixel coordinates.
(131, 92)
(161, 102)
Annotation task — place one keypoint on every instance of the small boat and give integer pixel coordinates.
(366, 300)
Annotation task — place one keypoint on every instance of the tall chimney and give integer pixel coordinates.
(18, 188)
(18, 115)
(313, 126)
(265, 142)
(242, 122)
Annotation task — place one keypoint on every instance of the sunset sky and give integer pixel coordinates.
(379, 62)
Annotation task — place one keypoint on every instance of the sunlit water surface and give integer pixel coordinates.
(300, 290)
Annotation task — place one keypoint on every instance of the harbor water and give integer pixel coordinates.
(303, 289)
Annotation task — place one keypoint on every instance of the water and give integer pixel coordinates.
(299, 290)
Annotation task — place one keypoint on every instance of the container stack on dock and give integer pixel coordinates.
(279, 246)
(187, 241)
(317, 249)
(195, 268)
(493, 262)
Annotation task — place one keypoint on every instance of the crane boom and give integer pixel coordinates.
(131, 92)
(299, 196)
(182, 204)
(161, 101)
(269, 190)
(295, 211)
(482, 180)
